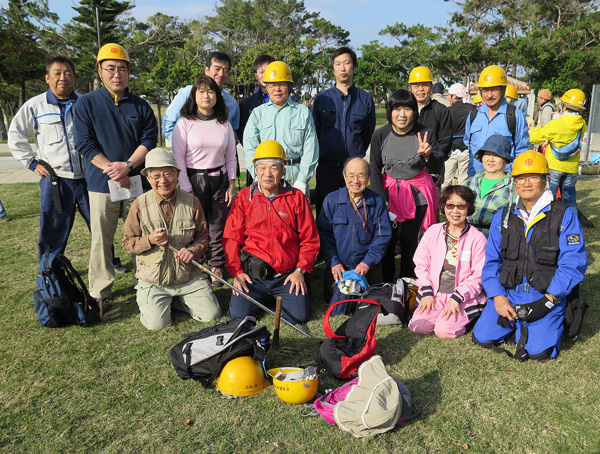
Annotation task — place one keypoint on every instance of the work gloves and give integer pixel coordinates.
(529, 312)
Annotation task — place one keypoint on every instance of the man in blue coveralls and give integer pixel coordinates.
(535, 258)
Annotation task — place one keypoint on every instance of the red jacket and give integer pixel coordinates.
(282, 232)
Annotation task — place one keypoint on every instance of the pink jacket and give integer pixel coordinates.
(429, 260)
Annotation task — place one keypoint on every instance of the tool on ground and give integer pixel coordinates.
(286, 352)
(248, 297)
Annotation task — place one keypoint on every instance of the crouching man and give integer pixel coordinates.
(271, 240)
(161, 217)
(535, 257)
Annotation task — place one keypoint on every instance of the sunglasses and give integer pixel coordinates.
(451, 206)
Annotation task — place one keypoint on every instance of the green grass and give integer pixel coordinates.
(111, 388)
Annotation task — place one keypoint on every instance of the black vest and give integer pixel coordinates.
(536, 259)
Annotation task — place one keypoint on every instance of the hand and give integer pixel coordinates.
(124, 182)
(41, 171)
(362, 268)
(117, 170)
(185, 255)
(296, 278)
(159, 237)
(424, 146)
(240, 281)
(338, 272)
(426, 304)
(504, 308)
(452, 308)
(229, 194)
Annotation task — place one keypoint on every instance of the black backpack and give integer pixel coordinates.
(62, 298)
(202, 355)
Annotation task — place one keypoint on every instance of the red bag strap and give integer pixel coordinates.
(327, 328)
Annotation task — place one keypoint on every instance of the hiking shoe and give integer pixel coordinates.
(121, 269)
(4, 218)
(219, 272)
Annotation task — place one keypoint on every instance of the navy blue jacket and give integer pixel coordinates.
(343, 239)
(344, 124)
(100, 126)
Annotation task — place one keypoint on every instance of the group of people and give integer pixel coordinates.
(266, 237)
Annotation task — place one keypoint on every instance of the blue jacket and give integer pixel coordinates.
(477, 133)
(100, 126)
(343, 239)
(572, 259)
(344, 124)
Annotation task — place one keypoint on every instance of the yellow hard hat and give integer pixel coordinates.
(530, 162)
(574, 98)
(241, 377)
(293, 392)
(511, 92)
(269, 149)
(492, 76)
(112, 51)
(477, 98)
(278, 71)
(420, 74)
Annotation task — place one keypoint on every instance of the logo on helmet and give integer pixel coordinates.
(488, 78)
(114, 50)
(273, 74)
(529, 162)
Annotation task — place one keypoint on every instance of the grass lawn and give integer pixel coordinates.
(111, 388)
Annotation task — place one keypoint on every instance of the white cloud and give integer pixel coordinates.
(189, 10)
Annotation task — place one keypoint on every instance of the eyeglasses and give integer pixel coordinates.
(460, 206)
(530, 179)
(156, 176)
(112, 69)
(360, 176)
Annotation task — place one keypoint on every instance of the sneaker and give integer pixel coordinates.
(4, 218)
(121, 269)
(215, 282)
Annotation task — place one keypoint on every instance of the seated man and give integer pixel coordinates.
(535, 257)
(168, 216)
(271, 240)
(492, 186)
(354, 226)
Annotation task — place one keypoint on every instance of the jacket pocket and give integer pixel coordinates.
(50, 129)
(548, 250)
(357, 121)
(340, 226)
(508, 275)
(327, 119)
(509, 245)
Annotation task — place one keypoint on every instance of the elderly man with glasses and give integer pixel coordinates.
(161, 217)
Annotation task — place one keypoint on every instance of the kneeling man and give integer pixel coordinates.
(271, 240)
(535, 257)
(161, 217)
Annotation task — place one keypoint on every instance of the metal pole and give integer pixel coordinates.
(248, 297)
(592, 119)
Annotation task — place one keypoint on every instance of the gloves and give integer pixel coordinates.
(504, 322)
(534, 311)
(302, 186)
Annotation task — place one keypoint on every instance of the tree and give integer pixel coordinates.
(380, 70)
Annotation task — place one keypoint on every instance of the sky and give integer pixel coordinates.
(362, 18)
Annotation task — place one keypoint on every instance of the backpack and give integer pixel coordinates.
(202, 355)
(569, 150)
(511, 123)
(370, 404)
(394, 299)
(62, 298)
(352, 343)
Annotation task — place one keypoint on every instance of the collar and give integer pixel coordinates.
(343, 197)
(542, 204)
(170, 200)
(111, 97)
(52, 99)
(462, 232)
(501, 110)
(284, 188)
(351, 90)
(289, 102)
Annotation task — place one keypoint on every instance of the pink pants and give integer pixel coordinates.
(423, 323)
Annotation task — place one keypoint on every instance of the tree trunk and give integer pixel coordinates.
(3, 134)
(160, 136)
(22, 92)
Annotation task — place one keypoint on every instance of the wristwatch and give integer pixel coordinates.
(300, 270)
(555, 299)
(129, 164)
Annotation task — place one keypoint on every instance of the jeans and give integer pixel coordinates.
(566, 182)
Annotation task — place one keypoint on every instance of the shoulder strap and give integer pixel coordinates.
(327, 327)
(511, 122)
(555, 216)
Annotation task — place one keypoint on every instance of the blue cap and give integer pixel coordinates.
(497, 144)
(438, 87)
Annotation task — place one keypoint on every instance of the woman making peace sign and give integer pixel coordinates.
(407, 152)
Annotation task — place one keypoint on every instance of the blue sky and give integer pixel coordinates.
(362, 18)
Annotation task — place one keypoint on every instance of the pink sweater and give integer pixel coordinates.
(429, 260)
(201, 144)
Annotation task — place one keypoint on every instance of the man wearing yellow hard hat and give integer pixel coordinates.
(284, 120)
(535, 260)
(496, 116)
(114, 129)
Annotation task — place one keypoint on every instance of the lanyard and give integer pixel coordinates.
(363, 219)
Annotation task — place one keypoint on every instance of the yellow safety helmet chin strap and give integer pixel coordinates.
(104, 85)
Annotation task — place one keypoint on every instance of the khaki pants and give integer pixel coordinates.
(194, 297)
(104, 218)
(457, 166)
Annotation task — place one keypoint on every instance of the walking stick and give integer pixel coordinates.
(248, 297)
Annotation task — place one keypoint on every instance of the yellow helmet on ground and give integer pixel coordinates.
(278, 71)
(293, 392)
(477, 98)
(574, 98)
(241, 377)
(269, 149)
(492, 76)
(530, 162)
(112, 51)
(420, 74)
(511, 92)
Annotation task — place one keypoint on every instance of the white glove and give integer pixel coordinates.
(301, 186)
